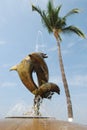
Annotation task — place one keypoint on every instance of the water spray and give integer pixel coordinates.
(37, 103)
(70, 119)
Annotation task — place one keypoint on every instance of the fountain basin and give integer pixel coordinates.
(38, 123)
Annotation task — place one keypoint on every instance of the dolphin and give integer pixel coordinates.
(35, 63)
(25, 69)
(47, 90)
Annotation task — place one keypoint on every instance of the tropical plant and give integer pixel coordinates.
(57, 25)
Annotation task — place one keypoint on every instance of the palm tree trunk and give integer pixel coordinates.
(68, 99)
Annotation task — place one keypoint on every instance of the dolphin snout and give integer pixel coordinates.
(13, 68)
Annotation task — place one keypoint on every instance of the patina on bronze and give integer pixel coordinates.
(35, 63)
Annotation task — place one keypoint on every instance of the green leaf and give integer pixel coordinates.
(51, 19)
(75, 30)
(73, 11)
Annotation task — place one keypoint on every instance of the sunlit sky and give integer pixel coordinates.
(21, 33)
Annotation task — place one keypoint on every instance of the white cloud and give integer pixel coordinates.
(8, 84)
(80, 66)
(54, 48)
(2, 20)
(70, 45)
(66, 51)
(5, 65)
(78, 80)
(2, 42)
(56, 79)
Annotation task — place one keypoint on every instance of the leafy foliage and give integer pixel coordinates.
(51, 20)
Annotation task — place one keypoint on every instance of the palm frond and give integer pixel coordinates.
(73, 11)
(34, 8)
(58, 9)
(50, 12)
(75, 30)
(56, 14)
(53, 13)
(51, 19)
(60, 23)
(49, 7)
(45, 20)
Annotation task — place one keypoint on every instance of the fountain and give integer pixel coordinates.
(40, 47)
(35, 63)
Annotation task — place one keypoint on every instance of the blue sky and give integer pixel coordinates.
(21, 32)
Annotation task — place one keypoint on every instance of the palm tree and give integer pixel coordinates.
(57, 25)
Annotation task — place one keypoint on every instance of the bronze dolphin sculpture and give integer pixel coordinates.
(35, 62)
(45, 90)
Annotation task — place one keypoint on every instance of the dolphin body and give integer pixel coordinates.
(40, 67)
(35, 63)
(25, 69)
